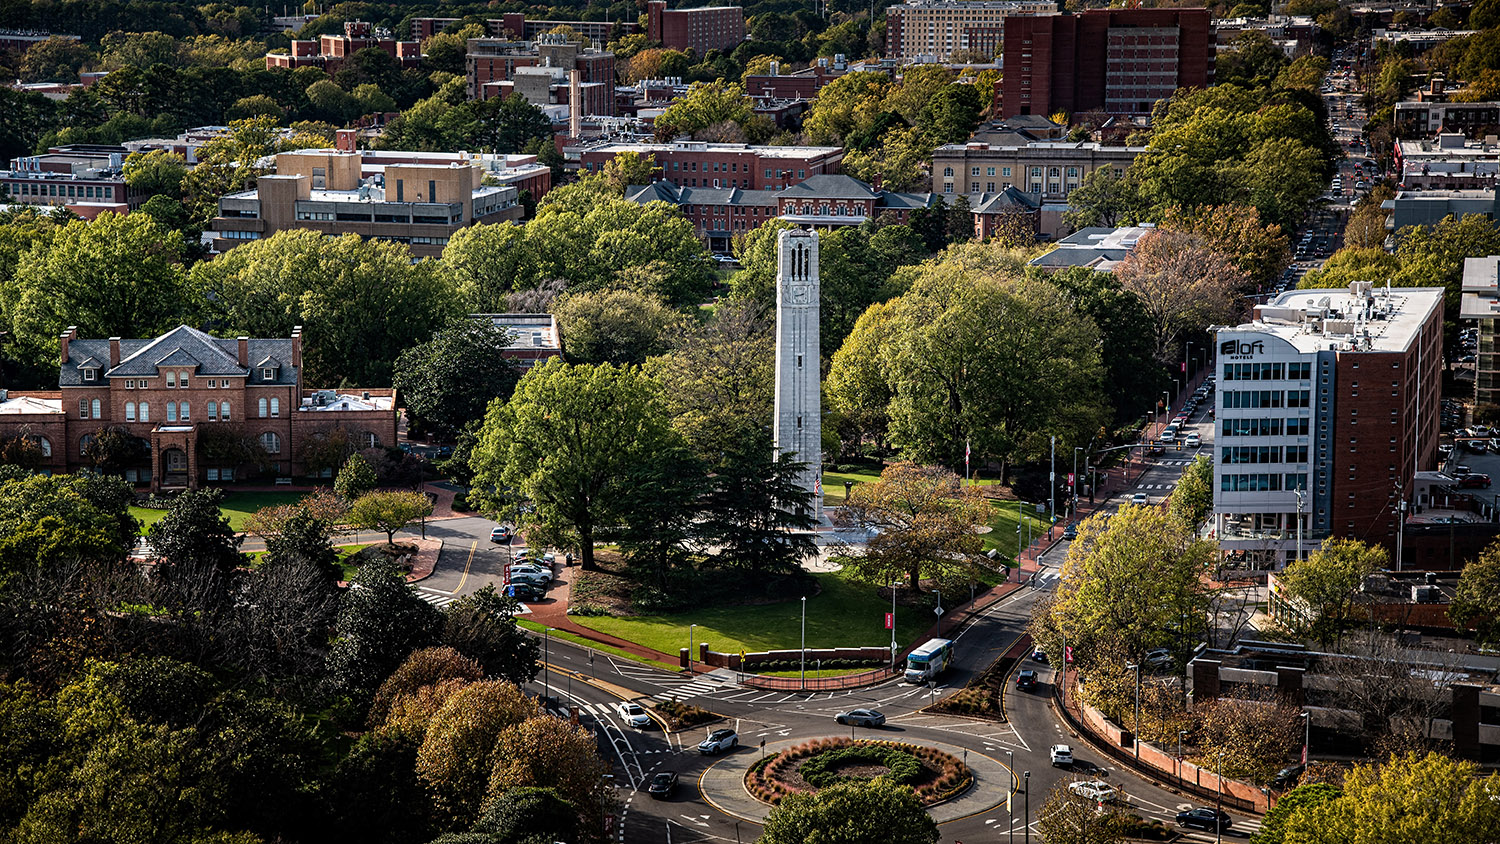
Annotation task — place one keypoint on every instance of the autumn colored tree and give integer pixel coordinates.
(547, 752)
(1071, 818)
(1193, 498)
(1255, 737)
(1183, 283)
(859, 812)
(1260, 251)
(422, 668)
(630, 168)
(1137, 577)
(461, 746)
(925, 521)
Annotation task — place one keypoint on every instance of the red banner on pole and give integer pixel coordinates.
(889, 619)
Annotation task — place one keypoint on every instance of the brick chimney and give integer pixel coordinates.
(62, 341)
(876, 182)
(114, 352)
(346, 140)
(244, 351)
(297, 349)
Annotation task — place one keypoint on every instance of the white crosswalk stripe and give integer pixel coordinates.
(437, 599)
(697, 688)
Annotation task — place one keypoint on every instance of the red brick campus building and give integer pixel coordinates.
(192, 397)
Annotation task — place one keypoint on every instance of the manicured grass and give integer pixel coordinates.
(1002, 535)
(237, 506)
(598, 646)
(844, 614)
(833, 483)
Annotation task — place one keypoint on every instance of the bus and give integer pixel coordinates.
(929, 660)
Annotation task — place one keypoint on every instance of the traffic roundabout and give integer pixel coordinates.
(952, 781)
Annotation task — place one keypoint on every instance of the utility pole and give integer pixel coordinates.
(1401, 523)
(1300, 493)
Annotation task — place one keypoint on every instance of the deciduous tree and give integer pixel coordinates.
(388, 512)
(1430, 799)
(1182, 283)
(380, 621)
(449, 380)
(1071, 818)
(1194, 496)
(1136, 577)
(873, 812)
(615, 326)
(1476, 601)
(355, 479)
(717, 383)
(482, 627)
(1321, 588)
(565, 441)
(462, 748)
(630, 168)
(926, 526)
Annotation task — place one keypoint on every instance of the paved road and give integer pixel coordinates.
(1021, 744)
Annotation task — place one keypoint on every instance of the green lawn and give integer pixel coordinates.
(344, 551)
(598, 646)
(1003, 526)
(833, 483)
(845, 614)
(237, 506)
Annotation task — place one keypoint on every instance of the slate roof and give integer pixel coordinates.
(1005, 201)
(668, 192)
(889, 199)
(830, 187)
(180, 347)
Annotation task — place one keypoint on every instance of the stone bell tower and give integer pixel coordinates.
(799, 401)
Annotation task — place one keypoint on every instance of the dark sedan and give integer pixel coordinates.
(1205, 819)
(662, 785)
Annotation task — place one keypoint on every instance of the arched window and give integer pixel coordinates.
(224, 411)
(130, 411)
(947, 171)
(182, 379)
(262, 408)
(42, 443)
(83, 444)
(171, 379)
(185, 412)
(171, 411)
(275, 407)
(271, 442)
(145, 411)
(94, 407)
(213, 411)
(367, 439)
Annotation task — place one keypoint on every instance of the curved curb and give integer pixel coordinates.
(972, 801)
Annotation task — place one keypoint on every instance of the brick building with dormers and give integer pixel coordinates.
(182, 393)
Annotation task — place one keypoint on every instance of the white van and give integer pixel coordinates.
(929, 660)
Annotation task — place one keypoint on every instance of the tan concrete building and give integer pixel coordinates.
(419, 204)
(933, 30)
(1048, 170)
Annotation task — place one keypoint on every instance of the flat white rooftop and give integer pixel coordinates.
(1366, 319)
(708, 146)
(29, 404)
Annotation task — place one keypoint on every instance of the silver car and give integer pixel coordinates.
(861, 718)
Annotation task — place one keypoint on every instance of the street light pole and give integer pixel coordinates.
(1027, 819)
(690, 648)
(1180, 734)
(804, 642)
(893, 624)
(1306, 736)
(1011, 813)
(546, 660)
(1052, 487)
(1218, 823)
(1073, 508)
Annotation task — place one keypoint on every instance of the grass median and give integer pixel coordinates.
(236, 506)
(598, 646)
(844, 614)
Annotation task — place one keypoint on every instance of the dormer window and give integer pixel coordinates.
(268, 374)
(91, 375)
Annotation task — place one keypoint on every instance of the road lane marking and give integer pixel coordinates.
(467, 563)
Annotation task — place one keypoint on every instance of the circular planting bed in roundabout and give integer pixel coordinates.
(805, 768)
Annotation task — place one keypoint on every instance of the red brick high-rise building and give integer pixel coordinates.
(703, 29)
(1120, 61)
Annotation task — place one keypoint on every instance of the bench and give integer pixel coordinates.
(283, 481)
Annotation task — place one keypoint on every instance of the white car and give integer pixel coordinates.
(717, 742)
(1062, 756)
(1193, 441)
(1096, 790)
(1140, 499)
(634, 715)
